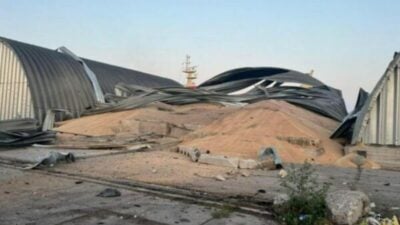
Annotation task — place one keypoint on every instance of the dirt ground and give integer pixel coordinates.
(173, 169)
(32, 198)
(238, 131)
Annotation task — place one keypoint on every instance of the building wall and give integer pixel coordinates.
(382, 125)
(15, 96)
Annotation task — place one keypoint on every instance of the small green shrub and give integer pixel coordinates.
(306, 204)
(222, 212)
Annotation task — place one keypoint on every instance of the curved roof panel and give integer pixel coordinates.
(56, 81)
(110, 75)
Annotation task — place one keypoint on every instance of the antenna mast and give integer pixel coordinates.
(190, 72)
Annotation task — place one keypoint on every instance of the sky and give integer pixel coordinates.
(348, 43)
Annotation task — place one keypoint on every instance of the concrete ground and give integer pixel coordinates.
(52, 196)
(28, 197)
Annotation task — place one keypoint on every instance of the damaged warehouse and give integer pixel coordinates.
(374, 125)
(238, 124)
(34, 80)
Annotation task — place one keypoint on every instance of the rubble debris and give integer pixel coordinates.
(319, 98)
(248, 164)
(219, 160)
(24, 132)
(94, 146)
(345, 129)
(282, 173)
(270, 152)
(109, 193)
(52, 159)
(193, 153)
(271, 85)
(347, 207)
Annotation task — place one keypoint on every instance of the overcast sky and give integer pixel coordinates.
(347, 43)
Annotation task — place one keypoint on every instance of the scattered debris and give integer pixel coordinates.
(219, 160)
(262, 191)
(248, 164)
(270, 152)
(282, 173)
(109, 193)
(53, 158)
(193, 153)
(23, 132)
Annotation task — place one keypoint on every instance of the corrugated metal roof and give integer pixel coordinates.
(56, 81)
(110, 75)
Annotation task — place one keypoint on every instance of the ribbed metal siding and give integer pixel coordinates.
(109, 75)
(15, 96)
(56, 80)
(382, 123)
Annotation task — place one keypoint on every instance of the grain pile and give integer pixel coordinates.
(296, 133)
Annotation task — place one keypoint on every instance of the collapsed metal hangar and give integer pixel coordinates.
(34, 79)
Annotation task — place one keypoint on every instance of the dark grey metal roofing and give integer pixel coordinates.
(313, 94)
(110, 75)
(56, 81)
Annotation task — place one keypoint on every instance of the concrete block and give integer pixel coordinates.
(193, 153)
(219, 160)
(248, 164)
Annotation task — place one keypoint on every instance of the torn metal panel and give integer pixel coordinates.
(92, 77)
(345, 129)
(26, 138)
(278, 83)
(321, 99)
(25, 132)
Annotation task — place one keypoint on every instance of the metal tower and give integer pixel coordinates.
(190, 72)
